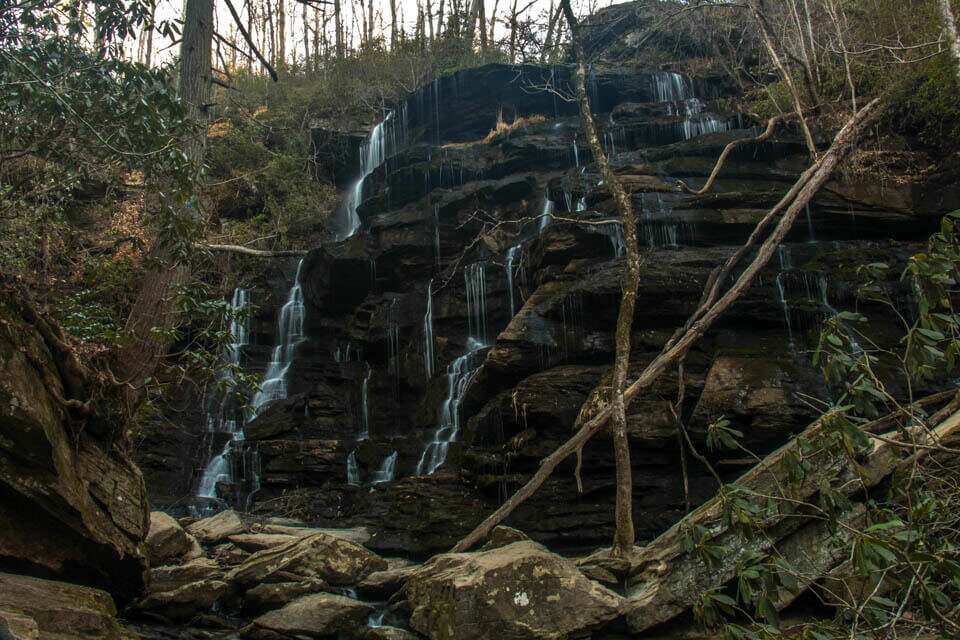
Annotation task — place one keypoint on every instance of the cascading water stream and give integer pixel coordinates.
(508, 266)
(459, 375)
(218, 468)
(387, 471)
(429, 354)
(365, 405)
(353, 469)
(384, 141)
(290, 335)
(475, 279)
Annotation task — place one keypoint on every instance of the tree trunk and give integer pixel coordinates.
(281, 32)
(393, 24)
(756, 7)
(624, 538)
(338, 28)
(950, 27)
(154, 315)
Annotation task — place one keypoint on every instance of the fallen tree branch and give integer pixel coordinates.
(247, 251)
(772, 125)
(807, 186)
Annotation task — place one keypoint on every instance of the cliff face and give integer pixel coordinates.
(450, 340)
(73, 505)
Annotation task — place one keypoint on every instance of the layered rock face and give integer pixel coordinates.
(452, 334)
(72, 503)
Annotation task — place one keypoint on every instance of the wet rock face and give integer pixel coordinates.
(72, 505)
(463, 325)
(520, 589)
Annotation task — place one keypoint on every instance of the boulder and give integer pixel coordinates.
(389, 633)
(185, 602)
(521, 589)
(356, 535)
(72, 503)
(265, 597)
(333, 560)
(381, 585)
(50, 609)
(17, 626)
(321, 615)
(253, 542)
(503, 535)
(217, 528)
(173, 577)
(166, 539)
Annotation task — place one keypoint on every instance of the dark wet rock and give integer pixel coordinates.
(265, 596)
(333, 560)
(382, 585)
(186, 601)
(503, 535)
(253, 542)
(521, 589)
(321, 615)
(57, 610)
(173, 577)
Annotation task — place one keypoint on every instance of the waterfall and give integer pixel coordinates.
(436, 232)
(387, 471)
(582, 203)
(218, 468)
(546, 215)
(353, 470)
(508, 266)
(576, 153)
(671, 87)
(614, 231)
(429, 355)
(702, 125)
(459, 375)
(224, 418)
(289, 335)
(474, 276)
(365, 405)
(384, 141)
(811, 236)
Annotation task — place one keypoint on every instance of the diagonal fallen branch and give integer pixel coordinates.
(803, 191)
(772, 125)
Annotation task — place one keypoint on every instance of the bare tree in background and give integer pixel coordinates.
(950, 28)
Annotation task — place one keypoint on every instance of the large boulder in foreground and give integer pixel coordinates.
(72, 503)
(322, 615)
(520, 589)
(56, 610)
(333, 560)
(166, 539)
(217, 528)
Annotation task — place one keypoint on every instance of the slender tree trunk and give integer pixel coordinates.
(808, 72)
(429, 20)
(624, 537)
(756, 7)
(148, 53)
(251, 19)
(482, 24)
(493, 21)
(950, 27)
(440, 19)
(393, 24)
(154, 315)
(338, 28)
(551, 26)
(281, 32)
(513, 32)
(370, 22)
